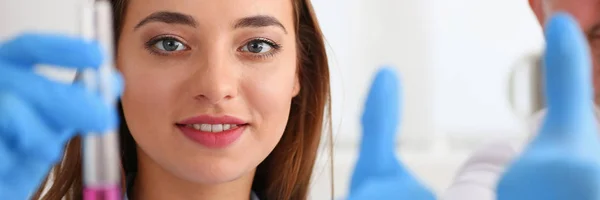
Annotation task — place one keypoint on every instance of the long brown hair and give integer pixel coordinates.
(286, 173)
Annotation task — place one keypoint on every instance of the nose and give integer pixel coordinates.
(216, 80)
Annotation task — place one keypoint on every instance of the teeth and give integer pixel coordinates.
(206, 127)
(217, 128)
(212, 127)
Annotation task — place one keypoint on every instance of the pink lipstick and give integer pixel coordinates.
(213, 132)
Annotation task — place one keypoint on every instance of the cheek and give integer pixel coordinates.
(595, 47)
(595, 53)
(148, 96)
(269, 91)
(584, 11)
(269, 95)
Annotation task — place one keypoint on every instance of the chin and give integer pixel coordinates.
(212, 172)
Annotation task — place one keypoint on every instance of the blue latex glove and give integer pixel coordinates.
(38, 116)
(378, 173)
(563, 161)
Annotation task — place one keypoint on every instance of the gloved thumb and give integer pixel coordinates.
(568, 77)
(380, 121)
(381, 115)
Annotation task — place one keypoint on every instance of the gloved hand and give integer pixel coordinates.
(563, 161)
(378, 173)
(38, 116)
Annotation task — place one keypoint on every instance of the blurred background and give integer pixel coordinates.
(454, 56)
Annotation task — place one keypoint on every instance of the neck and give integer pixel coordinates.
(152, 182)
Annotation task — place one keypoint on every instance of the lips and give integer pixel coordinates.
(206, 119)
(213, 132)
(215, 128)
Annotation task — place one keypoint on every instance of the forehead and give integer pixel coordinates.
(208, 12)
(587, 12)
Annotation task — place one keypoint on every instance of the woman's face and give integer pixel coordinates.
(209, 83)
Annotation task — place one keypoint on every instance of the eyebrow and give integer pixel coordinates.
(183, 19)
(169, 18)
(259, 21)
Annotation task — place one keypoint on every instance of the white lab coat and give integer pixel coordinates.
(477, 178)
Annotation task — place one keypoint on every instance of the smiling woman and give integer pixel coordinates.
(223, 100)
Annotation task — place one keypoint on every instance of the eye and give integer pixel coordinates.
(259, 46)
(169, 45)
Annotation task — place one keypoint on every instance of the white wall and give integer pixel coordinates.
(454, 58)
(476, 44)
(366, 35)
(48, 16)
(60, 17)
